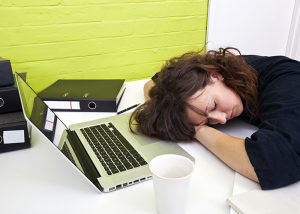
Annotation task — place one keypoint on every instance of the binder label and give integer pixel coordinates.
(49, 120)
(63, 104)
(16, 136)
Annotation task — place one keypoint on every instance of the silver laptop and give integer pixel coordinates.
(104, 150)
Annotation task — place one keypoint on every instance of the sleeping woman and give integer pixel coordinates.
(195, 91)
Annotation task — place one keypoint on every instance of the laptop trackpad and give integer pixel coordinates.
(144, 140)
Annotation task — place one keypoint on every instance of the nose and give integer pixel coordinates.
(217, 117)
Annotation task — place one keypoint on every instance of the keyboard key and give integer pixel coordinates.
(143, 163)
(98, 127)
(118, 153)
(102, 152)
(103, 163)
(109, 152)
(105, 146)
(113, 146)
(117, 163)
(133, 152)
(121, 168)
(104, 155)
(109, 163)
(129, 156)
(123, 160)
(113, 156)
(115, 171)
(116, 132)
(112, 167)
(140, 159)
(125, 142)
(117, 143)
(136, 155)
(114, 159)
(107, 159)
(135, 164)
(116, 150)
(128, 165)
(122, 149)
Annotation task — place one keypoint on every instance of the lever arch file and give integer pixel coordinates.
(13, 132)
(99, 95)
(9, 99)
(6, 75)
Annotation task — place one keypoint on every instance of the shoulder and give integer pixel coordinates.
(263, 63)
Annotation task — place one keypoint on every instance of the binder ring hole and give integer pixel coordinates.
(92, 105)
(1, 102)
(0, 139)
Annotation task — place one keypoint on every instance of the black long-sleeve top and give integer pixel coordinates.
(274, 150)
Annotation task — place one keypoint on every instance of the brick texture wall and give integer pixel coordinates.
(130, 39)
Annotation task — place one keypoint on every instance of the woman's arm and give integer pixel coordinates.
(148, 85)
(230, 150)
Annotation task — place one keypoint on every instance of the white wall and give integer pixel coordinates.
(259, 27)
(293, 44)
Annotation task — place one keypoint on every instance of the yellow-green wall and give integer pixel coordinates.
(130, 39)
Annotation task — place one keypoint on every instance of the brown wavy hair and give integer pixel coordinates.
(164, 115)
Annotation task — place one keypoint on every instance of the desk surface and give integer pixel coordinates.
(40, 180)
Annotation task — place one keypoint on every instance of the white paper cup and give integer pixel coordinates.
(171, 177)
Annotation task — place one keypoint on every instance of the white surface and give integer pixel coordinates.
(171, 178)
(278, 201)
(254, 27)
(242, 185)
(239, 128)
(39, 180)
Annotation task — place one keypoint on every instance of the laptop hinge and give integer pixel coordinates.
(89, 168)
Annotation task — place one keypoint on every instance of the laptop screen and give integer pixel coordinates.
(39, 113)
(51, 126)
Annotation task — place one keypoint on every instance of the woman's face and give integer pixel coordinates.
(219, 101)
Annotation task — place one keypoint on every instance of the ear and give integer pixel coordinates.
(215, 76)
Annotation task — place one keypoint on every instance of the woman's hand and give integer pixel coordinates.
(148, 85)
(230, 150)
(207, 135)
(199, 130)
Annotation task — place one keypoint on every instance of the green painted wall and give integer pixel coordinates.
(130, 39)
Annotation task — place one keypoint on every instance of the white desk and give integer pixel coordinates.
(39, 180)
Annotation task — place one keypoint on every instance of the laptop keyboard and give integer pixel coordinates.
(113, 151)
(67, 153)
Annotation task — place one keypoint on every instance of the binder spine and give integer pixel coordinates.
(14, 136)
(6, 75)
(99, 95)
(83, 105)
(14, 132)
(9, 100)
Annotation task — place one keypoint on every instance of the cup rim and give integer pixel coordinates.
(165, 178)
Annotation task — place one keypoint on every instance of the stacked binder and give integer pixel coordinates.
(13, 126)
(85, 95)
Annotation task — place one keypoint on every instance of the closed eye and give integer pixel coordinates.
(215, 107)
